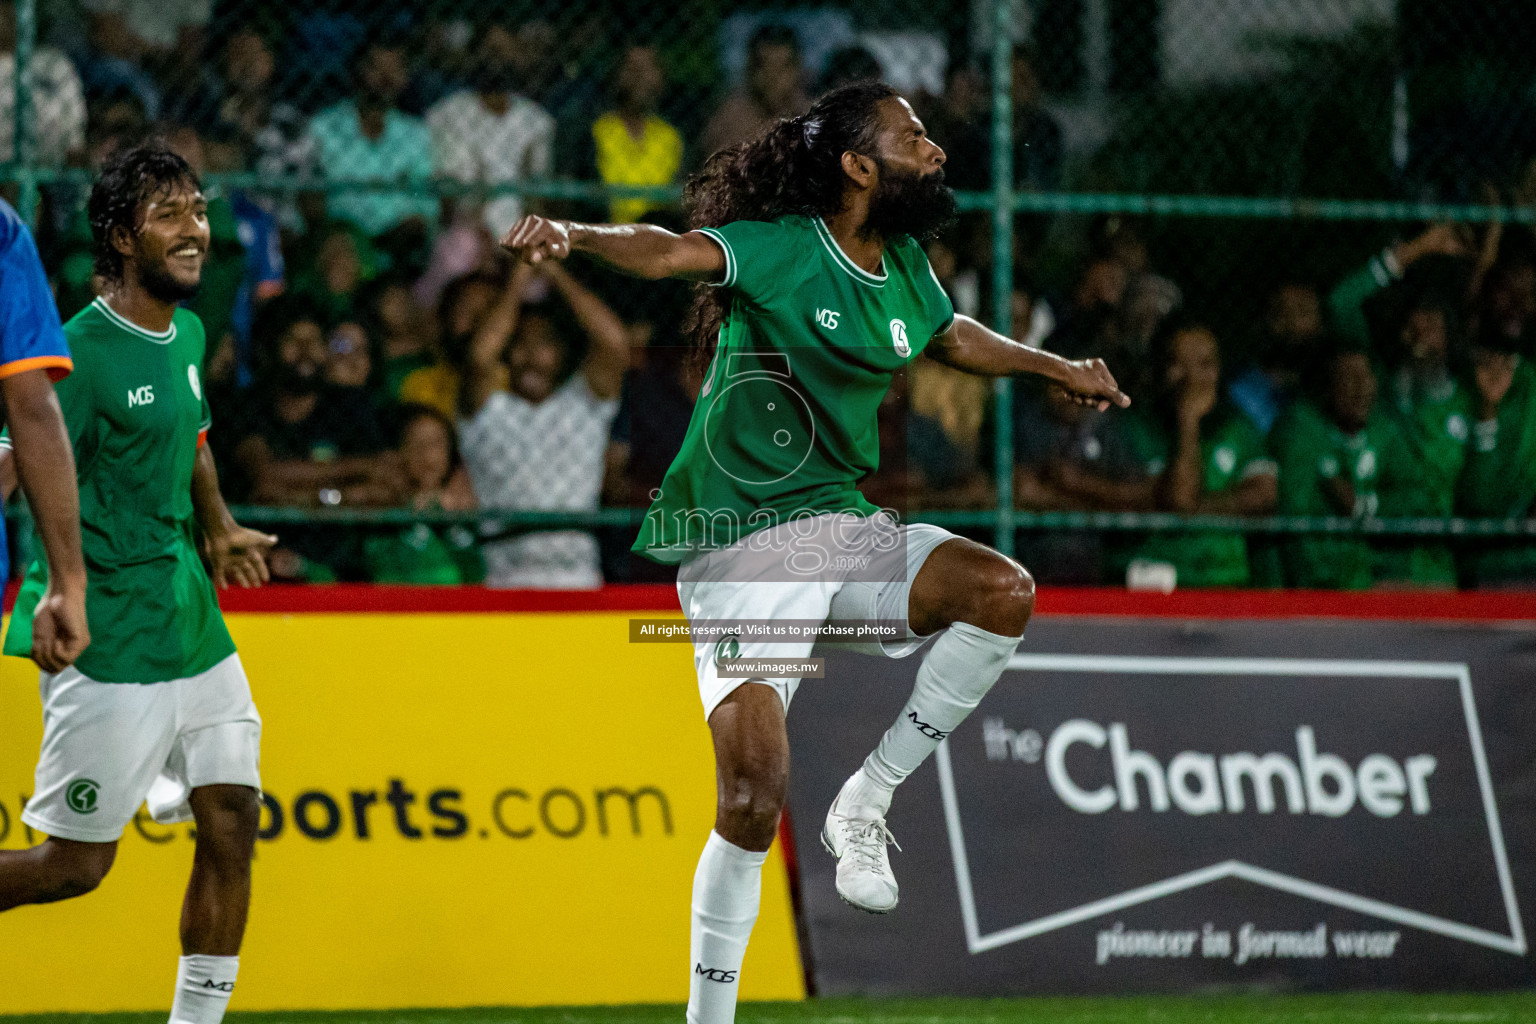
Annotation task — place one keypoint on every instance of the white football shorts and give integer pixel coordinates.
(109, 747)
(834, 566)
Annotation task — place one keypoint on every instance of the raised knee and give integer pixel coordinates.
(1004, 598)
(75, 872)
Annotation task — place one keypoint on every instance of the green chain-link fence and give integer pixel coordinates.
(1267, 170)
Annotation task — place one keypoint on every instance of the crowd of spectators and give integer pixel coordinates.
(370, 348)
(1404, 390)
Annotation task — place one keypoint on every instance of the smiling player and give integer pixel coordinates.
(811, 238)
(157, 706)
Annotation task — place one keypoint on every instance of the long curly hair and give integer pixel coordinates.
(795, 167)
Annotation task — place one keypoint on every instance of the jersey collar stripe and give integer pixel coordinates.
(164, 337)
(730, 257)
(859, 273)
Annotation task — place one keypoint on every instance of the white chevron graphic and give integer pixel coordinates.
(1513, 943)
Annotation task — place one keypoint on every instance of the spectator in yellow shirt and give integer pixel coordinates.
(631, 143)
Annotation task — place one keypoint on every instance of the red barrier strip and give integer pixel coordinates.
(662, 598)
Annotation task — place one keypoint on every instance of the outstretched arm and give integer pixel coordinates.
(234, 552)
(45, 466)
(971, 346)
(639, 250)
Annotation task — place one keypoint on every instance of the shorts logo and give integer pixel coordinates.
(728, 647)
(81, 796)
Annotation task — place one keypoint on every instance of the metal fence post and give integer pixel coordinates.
(25, 141)
(1002, 256)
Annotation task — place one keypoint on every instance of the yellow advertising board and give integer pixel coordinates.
(462, 809)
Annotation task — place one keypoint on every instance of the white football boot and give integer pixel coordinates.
(856, 835)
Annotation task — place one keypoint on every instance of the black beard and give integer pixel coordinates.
(919, 205)
(162, 286)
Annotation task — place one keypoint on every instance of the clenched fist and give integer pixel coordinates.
(535, 239)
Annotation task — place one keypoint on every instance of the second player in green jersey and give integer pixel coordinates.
(137, 415)
(157, 710)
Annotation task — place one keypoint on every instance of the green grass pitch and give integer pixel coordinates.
(1355, 1008)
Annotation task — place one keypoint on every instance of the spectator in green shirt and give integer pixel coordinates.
(1201, 456)
(1433, 411)
(1337, 454)
(424, 554)
(1500, 476)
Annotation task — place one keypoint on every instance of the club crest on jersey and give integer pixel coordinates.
(899, 338)
(197, 385)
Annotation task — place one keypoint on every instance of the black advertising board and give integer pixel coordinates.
(1161, 805)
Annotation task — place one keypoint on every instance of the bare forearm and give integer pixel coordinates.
(1112, 495)
(639, 250)
(975, 348)
(1179, 488)
(1256, 496)
(45, 467)
(489, 343)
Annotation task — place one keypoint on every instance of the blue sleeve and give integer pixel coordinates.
(31, 336)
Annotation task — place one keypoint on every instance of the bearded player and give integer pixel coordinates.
(809, 242)
(157, 708)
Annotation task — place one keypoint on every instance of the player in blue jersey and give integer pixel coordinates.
(33, 354)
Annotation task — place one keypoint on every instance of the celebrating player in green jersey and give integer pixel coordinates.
(809, 242)
(157, 707)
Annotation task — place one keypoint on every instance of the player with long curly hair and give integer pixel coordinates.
(814, 292)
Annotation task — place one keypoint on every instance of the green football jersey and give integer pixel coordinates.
(1500, 482)
(1436, 423)
(784, 425)
(1231, 451)
(1311, 449)
(136, 413)
(1436, 426)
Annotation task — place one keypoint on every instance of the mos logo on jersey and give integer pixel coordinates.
(141, 396)
(899, 338)
(828, 318)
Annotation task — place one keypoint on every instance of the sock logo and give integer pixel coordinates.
(924, 728)
(715, 974)
(218, 986)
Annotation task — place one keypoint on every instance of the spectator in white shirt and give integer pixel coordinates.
(535, 433)
(58, 100)
(490, 134)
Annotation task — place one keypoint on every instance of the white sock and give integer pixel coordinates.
(204, 984)
(727, 888)
(964, 663)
